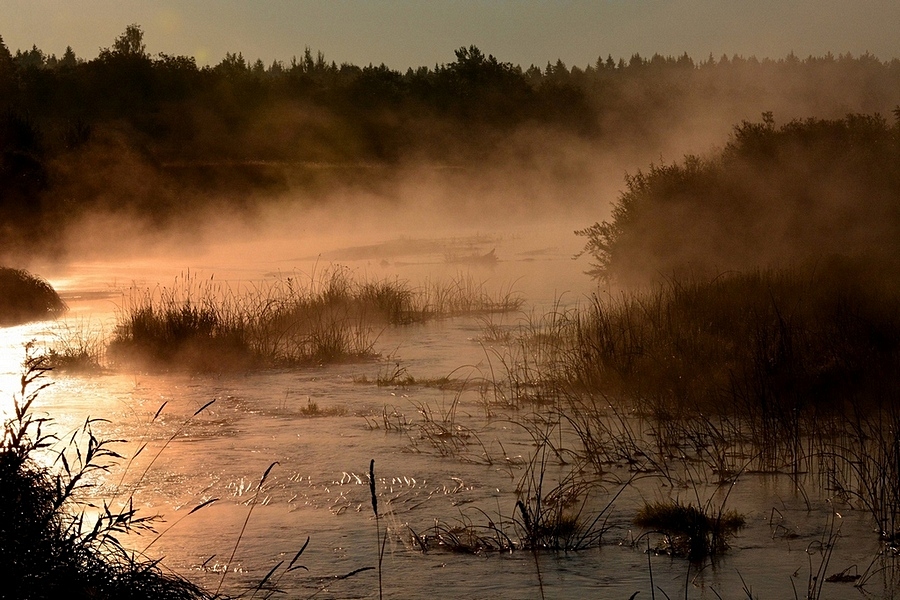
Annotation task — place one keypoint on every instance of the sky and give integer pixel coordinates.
(412, 33)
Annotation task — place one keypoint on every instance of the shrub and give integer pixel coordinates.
(772, 196)
(25, 297)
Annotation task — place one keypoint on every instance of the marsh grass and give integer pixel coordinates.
(442, 431)
(763, 359)
(463, 295)
(26, 297)
(50, 544)
(864, 468)
(558, 497)
(312, 410)
(530, 369)
(792, 372)
(559, 507)
(464, 537)
(79, 348)
(291, 321)
(773, 342)
(392, 419)
(395, 375)
(695, 532)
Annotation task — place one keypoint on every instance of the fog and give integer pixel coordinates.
(143, 158)
(134, 174)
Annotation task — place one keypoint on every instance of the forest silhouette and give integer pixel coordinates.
(161, 138)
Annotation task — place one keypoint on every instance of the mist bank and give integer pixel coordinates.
(163, 142)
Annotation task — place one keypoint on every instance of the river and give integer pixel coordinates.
(318, 429)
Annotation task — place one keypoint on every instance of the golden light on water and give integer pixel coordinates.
(12, 357)
(12, 353)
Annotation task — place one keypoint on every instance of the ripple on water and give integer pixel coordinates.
(319, 488)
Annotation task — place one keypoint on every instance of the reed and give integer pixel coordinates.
(79, 348)
(463, 295)
(464, 537)
(556, 506)
(770, 341)
(52, 548)
(205, 325)
(381, 540)
(766, 361)
(253, 503)
(864, 468)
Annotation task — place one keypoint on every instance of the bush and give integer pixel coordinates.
(773, 196)
(25, 297)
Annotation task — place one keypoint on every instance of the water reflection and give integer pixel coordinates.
(319, 487)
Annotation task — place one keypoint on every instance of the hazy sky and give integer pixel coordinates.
(404, 33)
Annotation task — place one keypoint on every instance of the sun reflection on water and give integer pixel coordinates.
(12, 353)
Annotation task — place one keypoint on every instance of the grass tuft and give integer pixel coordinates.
(690, 531)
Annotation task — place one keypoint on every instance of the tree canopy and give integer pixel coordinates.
(808, 190)
(240, 126)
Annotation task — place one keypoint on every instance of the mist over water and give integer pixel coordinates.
(319, 487)
(477, 173)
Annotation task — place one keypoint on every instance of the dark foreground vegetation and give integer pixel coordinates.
(50, 544)
(161, 138)
(26, 297)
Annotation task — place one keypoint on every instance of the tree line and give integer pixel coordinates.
(71, 129)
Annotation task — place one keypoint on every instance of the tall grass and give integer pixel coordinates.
(768, 355)
(556, 505)
(767, 340)
(77, 348)
(864, 468)
(289, 321)
(792, 371)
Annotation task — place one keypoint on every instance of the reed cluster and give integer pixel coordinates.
(289, 321)
(784, 371)
(79, 348)
(690, 530)
(762, 342)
